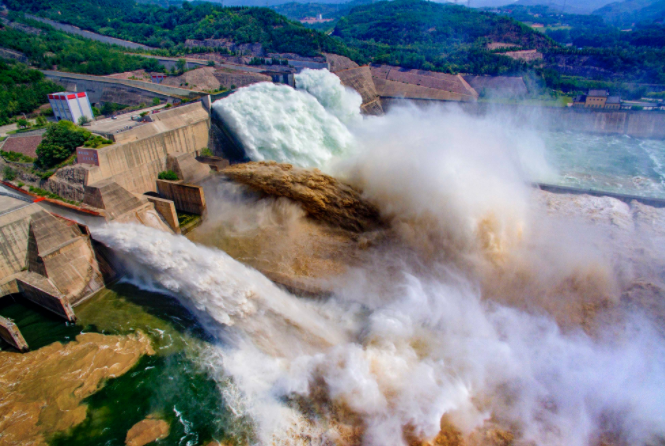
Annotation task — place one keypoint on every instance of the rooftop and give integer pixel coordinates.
(597, 93)
(614, 100)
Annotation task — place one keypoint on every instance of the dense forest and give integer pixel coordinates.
(434, 36)
(68, 53)
(22, 89)
(599, 50)
(628, 12)
(166, 27)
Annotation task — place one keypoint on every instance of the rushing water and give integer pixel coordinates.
(615, 163)
(398, 349)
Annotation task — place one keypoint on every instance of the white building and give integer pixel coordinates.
(71, 106)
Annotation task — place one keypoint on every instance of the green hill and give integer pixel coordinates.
(428, 35)
(167, 27)
(628, 12)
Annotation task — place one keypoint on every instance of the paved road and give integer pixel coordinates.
(89, 35)
(108, 125)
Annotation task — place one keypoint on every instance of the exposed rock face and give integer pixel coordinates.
(322, 197)
(41, 391)
(147, 431)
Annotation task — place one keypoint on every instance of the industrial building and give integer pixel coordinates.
(71, 106)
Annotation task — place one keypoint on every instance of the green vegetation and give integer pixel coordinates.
(167, 28)
(97, 142)
(626, 13)
(110, 107)
(22, 90)
(206, 152)
(16, 157)
(433, 36)
(168, 175)
(185, 220)
(8, 173)
(60, 141)
(68, 53)
(155, 101)
(49, 194)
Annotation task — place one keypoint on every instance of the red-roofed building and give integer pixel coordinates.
(27, 145)
(71, 106)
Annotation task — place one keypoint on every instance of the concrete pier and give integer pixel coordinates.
(10, 333)
(186, 197)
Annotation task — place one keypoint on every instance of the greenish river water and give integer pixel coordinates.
(173, 383)
(613, 163)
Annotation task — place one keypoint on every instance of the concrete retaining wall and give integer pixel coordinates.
(135, 162)
(186, 197)
(46, 298)
(166, 208)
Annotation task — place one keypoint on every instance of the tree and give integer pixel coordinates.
(181, 65)
(211, 63)
(155, 101)
(23, 123)
(60, 141)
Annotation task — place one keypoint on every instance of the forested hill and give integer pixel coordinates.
(167, 27)
(626, 13)
(430, 35)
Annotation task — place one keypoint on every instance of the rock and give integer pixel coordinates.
(147, 431)
(321, 196)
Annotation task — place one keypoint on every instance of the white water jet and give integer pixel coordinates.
(276, 122)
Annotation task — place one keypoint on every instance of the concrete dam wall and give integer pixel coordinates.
(135, 161)
(637, 124)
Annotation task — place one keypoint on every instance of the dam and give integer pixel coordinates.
(401, 267)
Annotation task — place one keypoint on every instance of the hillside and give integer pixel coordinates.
(629, 12)
(167, 27)
(566, 6)
(428, 35)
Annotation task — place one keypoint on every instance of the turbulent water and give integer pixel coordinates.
(612, 163)
(477, 310)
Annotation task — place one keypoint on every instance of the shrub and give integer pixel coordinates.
(97, 142)
(23, 123)
(168, 175)
(83, 120)
(211, 63)
(155, 101)
(8, 173)
(41, 121)
(168, 106)
(206, 152)
(16, 157)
